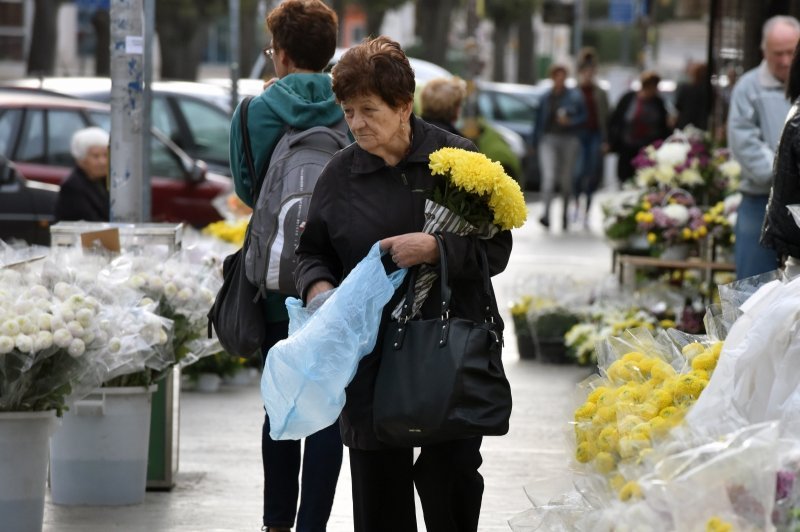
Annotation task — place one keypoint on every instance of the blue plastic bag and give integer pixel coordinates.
(305, 375)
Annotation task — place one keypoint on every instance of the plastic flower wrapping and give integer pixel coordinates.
(687, 159)
(182, 289)
(66, 329)
(689, 433)
(476, 197)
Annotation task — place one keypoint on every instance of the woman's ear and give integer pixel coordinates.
(406, 109)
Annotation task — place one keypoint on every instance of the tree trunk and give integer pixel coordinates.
(339, 7)
(102, 51)
(434, 30)
(42, 55)
(526, 56)
(249, 46)
(181, 40)
(500, 41)
(374, 20)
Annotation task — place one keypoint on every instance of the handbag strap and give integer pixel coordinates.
(255, 183)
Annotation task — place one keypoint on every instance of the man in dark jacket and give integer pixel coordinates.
(84, 194)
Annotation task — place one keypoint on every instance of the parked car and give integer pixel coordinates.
(513, 106)
(27, 208)
(35, 134)
(195, 116)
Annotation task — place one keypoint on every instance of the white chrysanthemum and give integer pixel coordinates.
(57, 323)
(146, 302)
(137, 281)
(731, 203)
(170, 289)
(162, 336)
(10, 277)
(10, 328)
(114, 345)
(677, 213)
(185, 294)
(100, 336)
(28, 324)
(104, 324)
(84, 316)
(207, 295)
(151, 334)
(690, 177)
(62, 338)
(154, 282)
(43, 340)
(92, 303)
(42, 304)
(62, 290)
(24, 343)
(66, 312)
(664, 174)
(6, 344)
(672, 153)
(76, 348)
(38, 291)
(730, 169)
(646, 177)
(75, 328)
(23, 306)
(76, 302)
(88, 336)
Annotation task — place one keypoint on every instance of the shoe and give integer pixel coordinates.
(545, 222)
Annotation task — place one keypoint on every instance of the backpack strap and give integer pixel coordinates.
(255, 180)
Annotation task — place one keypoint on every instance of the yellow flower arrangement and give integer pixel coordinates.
(228, 231)
(477, 188)
(715, 524)
(641, 398)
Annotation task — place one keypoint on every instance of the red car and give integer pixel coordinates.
(35, 134)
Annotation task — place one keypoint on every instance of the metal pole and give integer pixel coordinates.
(577, 28)
(127, 116)
(147, 119)
(234, 15)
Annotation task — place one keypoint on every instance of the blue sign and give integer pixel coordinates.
(621, 11)
(92, 5)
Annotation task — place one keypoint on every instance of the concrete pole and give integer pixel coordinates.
(127, 110)
(235, 52)
(147, 105)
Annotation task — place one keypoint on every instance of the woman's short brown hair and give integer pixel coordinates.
(441, 99)
(306, 30)
(649, 78)
(377, 66)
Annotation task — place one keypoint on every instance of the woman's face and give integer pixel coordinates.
(377, 128)
(95, 164)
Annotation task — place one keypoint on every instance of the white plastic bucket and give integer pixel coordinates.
(24, 444)
(99, 454)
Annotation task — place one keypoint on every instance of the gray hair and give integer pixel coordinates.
(83, 139)
(770, 24)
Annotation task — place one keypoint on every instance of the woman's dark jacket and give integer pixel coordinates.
(359, 200)
(81, 198)
(780, 232)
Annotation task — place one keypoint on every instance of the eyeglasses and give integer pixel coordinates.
(268, 51)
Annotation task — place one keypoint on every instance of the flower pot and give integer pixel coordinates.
(208, 382)
(241, 377)
(552, 350)
(24, 446)
(526, 346)
(99, 454)
(638, 242)
(676, 252)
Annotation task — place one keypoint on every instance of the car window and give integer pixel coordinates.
(31, 142)
(485, 107)
(61, 125)
(163, 162)
(101, 119)
(513, 109)
(209, 127)
(162, 118)
(9, 124)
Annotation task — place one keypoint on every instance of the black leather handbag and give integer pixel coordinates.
(441, 379)
(237, 314)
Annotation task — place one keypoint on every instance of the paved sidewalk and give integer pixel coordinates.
(219, 482)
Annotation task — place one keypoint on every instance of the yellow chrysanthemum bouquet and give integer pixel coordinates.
(475, 196)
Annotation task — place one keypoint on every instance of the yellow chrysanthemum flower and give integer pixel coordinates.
(604, 462)
(715, 524)
(630, 490)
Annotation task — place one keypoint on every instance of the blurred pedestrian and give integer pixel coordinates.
(84, 194)
(593, 136)
(639, 118)
(560, 115)
(375, 190)
(757, 114)
(442, 101)
(304, 36)
(780, 231)
(691, 98)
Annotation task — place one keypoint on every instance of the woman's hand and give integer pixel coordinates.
(411, 249)
(316, 289)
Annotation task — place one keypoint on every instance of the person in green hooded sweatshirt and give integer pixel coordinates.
(303, 41)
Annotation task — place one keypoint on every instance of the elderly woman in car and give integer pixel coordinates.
(84, 194)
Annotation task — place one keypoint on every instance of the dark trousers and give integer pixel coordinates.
(321, 462)
(446, 477)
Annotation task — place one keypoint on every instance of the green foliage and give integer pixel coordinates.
(554, 322)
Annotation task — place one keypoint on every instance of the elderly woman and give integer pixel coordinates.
(84, 194)
(374, 190)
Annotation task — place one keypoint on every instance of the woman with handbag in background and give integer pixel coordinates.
(375, 190)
